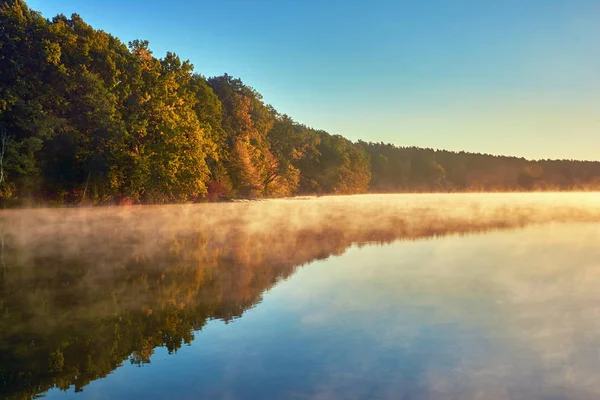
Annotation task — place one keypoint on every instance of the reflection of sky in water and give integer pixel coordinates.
(511, 314)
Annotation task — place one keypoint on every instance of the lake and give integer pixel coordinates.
(414, 296)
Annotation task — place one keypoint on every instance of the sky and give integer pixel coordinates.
(512, 77)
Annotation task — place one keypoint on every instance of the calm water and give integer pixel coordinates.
(389, 297)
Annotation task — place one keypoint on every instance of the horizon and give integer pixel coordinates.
(526, 91)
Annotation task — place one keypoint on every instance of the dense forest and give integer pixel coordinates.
(85, 118)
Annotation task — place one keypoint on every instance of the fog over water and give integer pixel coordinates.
(400, 296)
(296, 222)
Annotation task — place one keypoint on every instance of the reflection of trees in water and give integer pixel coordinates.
(77, 322)
(85, 290)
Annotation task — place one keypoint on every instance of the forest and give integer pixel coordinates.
(87, 119)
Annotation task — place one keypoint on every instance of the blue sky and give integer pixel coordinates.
(515, 77)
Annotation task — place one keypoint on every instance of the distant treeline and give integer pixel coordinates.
(86, 118)
(416, 169)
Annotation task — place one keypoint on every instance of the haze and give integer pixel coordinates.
(281, 227)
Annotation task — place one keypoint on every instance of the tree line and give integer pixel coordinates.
(417, 169)
(87, 118)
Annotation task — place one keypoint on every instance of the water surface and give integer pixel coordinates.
(413, 296)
